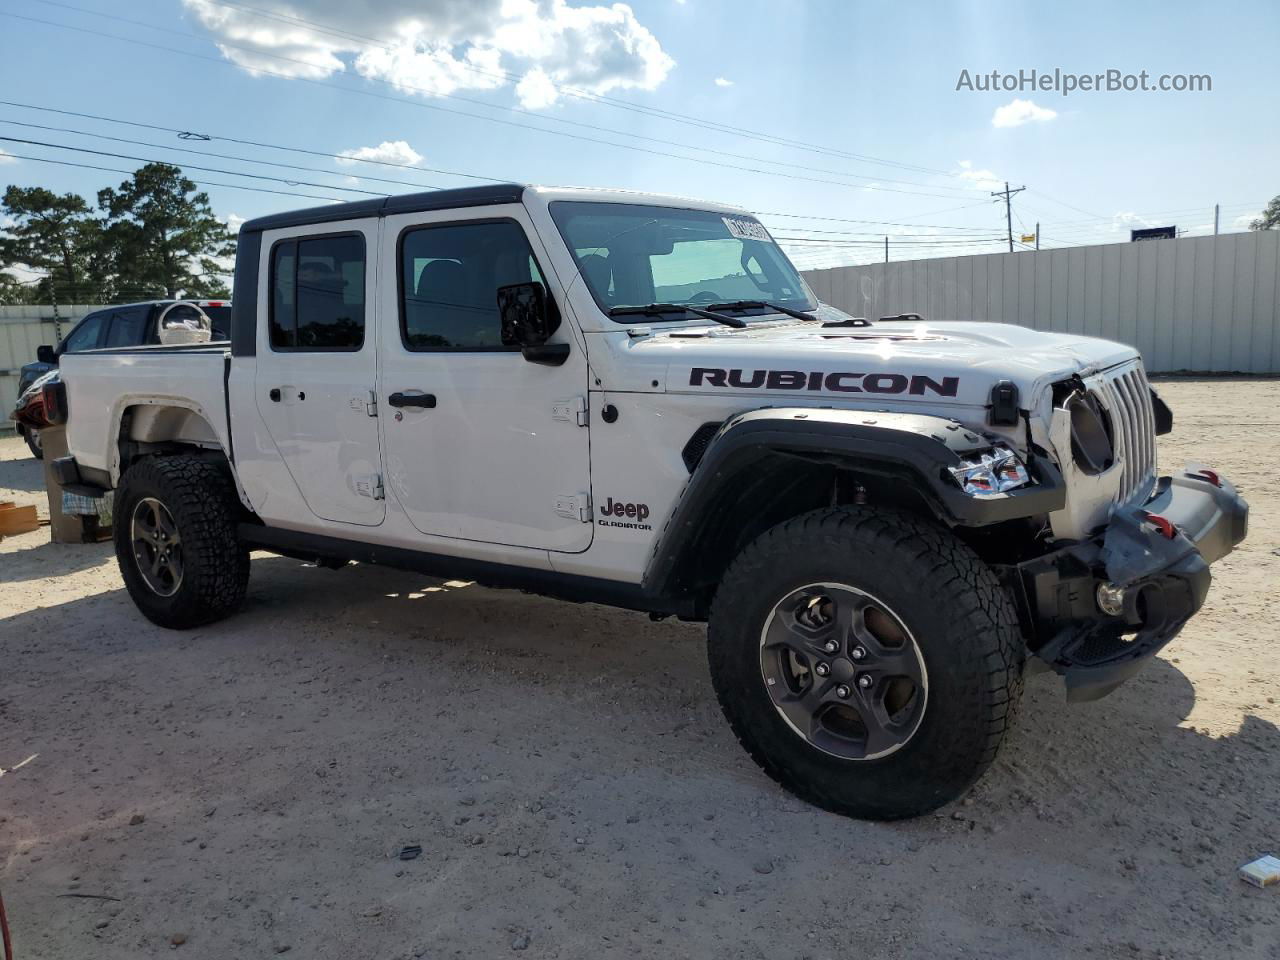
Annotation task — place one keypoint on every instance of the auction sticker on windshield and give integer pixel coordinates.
(747, 229)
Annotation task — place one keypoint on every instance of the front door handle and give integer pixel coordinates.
(424, 400)
(274, 394)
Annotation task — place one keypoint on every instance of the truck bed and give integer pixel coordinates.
(102, 384)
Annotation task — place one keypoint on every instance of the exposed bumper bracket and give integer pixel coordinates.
(1165, 579)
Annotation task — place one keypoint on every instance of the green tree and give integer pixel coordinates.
(57, 234)
(13, 291)
(1270, 219)
(161, 235)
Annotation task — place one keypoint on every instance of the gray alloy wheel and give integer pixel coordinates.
(157, 547)
(843, 671)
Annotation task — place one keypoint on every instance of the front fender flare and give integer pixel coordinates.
(907, 447)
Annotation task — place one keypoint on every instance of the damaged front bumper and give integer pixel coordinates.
(1152, 561)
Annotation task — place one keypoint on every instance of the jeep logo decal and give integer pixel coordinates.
(839, 382)
(632, 515)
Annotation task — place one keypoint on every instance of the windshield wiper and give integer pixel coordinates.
(763, 305)
(657, 309)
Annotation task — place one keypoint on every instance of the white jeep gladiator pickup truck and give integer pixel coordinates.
(637, 401)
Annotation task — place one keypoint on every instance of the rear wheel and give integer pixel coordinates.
(175, 537)
(32, 437)
(869, 661)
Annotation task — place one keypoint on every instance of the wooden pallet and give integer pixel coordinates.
(15, 520)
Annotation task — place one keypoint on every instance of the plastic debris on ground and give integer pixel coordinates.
(1262, 872)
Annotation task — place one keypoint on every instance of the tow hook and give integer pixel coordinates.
(1165, 526)
(1209, 476)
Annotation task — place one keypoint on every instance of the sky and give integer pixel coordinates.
(838, 122)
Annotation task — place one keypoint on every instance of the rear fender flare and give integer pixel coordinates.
(156, 422)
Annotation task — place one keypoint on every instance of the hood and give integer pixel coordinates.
(936, 362)
(29, 372)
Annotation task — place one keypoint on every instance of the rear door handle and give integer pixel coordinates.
(274, 394)
(424, 400)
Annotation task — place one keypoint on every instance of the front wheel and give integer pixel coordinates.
(175, 536)
(870, 662)
(32, 436)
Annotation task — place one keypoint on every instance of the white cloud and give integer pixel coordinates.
(1017, 112)
(388, 151)
(722, 82)
(234, 221)
(435, 47)
(1240, 223)
(1127, 220)
(6, 157)
(536, 89)
(980, 179)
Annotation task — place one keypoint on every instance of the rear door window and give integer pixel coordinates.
(317, 293)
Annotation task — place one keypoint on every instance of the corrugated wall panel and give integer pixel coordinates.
(22, 329)
(1266, 299)
(1242, 308)
(1206, 304)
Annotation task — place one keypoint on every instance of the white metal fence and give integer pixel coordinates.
(22, 329)
(1200, 304)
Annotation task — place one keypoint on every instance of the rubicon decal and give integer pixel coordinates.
(819, 381)
(629, 515)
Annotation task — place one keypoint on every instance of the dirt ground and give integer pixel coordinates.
(245, 788)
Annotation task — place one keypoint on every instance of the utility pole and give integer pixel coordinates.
(1007, 196)
(1037, 234)
(1217, 210)
(886, 249)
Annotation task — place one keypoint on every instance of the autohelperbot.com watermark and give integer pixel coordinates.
(1065, 83)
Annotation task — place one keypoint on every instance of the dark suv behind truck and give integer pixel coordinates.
(125, 325)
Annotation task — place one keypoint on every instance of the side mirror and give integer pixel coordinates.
(528, 318)
(45, 354)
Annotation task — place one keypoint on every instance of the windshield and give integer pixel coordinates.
(632, 255)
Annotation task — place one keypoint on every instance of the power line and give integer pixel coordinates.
(481, 103)
(577, 93)
(223, 156)
(886, 223)
(307, 151)
(881, 233)
(594, 98)
(232, 173)
(182, 133)
(198, 183)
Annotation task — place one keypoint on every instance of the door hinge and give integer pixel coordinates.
(573, 410)
(575, 506)
(371, 405)
(371, 487)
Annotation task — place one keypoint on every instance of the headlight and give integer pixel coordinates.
(993, 471)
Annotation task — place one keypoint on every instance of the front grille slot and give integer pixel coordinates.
(1128, 401)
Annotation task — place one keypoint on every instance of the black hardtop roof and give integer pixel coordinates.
(490, 193)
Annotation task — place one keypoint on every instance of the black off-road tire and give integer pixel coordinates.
(32, 436)
(962, 621)
(201, 498)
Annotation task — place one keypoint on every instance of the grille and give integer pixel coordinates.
(1128, 401)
